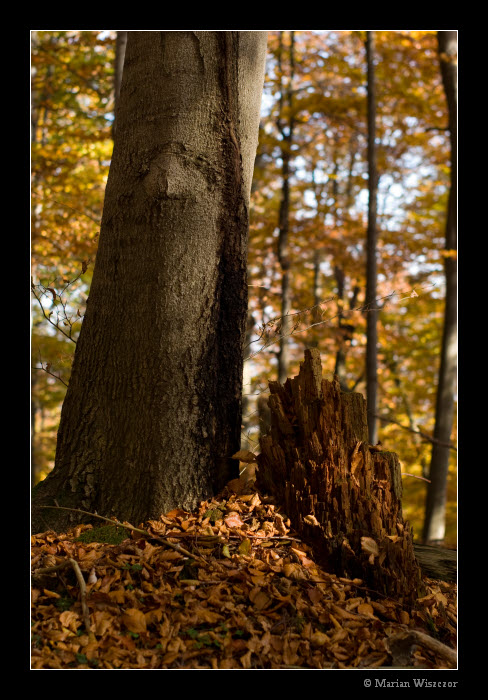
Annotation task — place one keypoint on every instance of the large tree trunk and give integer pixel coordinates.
(341, 495)
(371, 244)
(152, 414)
(435, 516)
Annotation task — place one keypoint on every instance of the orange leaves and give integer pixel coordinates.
(253, 597)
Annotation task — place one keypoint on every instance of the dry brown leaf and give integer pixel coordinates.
(365, 609)
(104, 622)
(70, 619)
(259, 598)
(134, 620)
(233, 519)
(357, 458)
(369, 546)
(247, 605)
(294, 571)
(319, 639)
(245, 456)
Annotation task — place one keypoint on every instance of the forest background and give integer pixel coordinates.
(312, 155)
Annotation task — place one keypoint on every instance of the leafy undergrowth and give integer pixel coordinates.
(249, 597)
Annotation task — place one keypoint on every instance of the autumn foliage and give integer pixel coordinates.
(233, 585)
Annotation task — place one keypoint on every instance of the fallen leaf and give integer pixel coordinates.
(245, 546)
(370, 546)
(294, 571)
(365, 609)
(357, 458)
(245, 456)
(259, 598)
(70, 619)
(233, 520)
(134, 620)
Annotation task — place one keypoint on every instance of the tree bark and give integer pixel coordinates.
(437, 562)
(152, 414)
(341, 495)
(435, 511)
(371, 245)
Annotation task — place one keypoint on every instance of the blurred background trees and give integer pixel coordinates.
(309, 218)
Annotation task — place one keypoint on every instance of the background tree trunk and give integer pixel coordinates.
(152, 414)
(286, 131)
(371, 244)
(435, 511)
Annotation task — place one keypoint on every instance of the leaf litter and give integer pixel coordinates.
(229, 586)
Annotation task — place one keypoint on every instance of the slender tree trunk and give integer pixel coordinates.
(152, 414)
(346, 331)
(317, 291)
(246, 385)
(284, 217)
(435, 515)
(34, 409)
(371, 262)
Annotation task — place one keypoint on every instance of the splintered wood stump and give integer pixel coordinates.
(342, 495)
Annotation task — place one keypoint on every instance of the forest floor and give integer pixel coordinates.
(229, 586)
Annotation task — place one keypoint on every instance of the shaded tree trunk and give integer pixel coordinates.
(435, 515)
(34, 410)
(345, 329)
(152, 414)
(246, 385)
(286, 131)
(371, 244)
(316, 315)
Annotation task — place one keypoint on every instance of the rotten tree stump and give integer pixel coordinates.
(342, 495)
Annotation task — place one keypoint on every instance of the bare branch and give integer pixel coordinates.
(429, 438)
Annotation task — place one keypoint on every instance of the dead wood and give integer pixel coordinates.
(437, 562)
(341, 494)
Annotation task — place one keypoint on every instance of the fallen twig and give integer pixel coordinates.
(128, 526)
(403, 643)
(81, 582)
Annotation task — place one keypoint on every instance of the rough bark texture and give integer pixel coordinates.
(341, 495)
(153, 410)
(437, 562)
(435, 511)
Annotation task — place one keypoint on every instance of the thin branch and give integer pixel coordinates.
(422, 478)
(45, 369)
(63, 204)
(128, 526)
(81, 583)
(276, 320)
(55, 325)
(388, 419)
